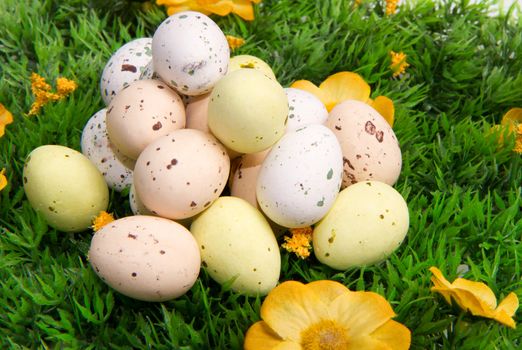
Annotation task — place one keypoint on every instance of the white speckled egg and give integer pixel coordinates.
(148, 72)
(115, 168)
(250, 62)
(146, 258)
(304, 109)
(190, 52)
(65, 187)
(367, 223)
(300, 177)
(370, 148)
(141, 113)
(136, 205)
(180, 174)
(237, 245)
(125, 66)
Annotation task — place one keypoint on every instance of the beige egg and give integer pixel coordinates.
(146, 258)
(243, 184)
(181, 174)
(141, 113)
(369, 145)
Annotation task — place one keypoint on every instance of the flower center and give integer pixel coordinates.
(325, 335)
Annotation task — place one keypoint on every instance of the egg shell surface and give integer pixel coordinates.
(247, 111)
(367, 223)
(181, 174)
(141, 113)
(370, 148)
(300, 177)
(243, 185)
(115, 167)
(146, 258)
(236, 242)
(125, 66)
(190, 52)
(304, 109)
(136, 205)
(250, 62)
(65, 187)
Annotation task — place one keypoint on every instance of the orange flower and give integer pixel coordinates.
(391, 7)
(398, 63)
(42, 91)
(3, 179)
(325, 315)
(5, 118)
(475, 297)
(101, 220)
(234, 42)
(512, 120)
(242, 8)
(347, 86)
(300, 242)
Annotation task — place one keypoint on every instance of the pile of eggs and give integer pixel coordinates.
(183, 121)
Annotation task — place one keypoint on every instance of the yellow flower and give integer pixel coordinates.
(475, 297)
(3, 179)
(101, 220)
(513, 121)
(235, 42)
(300, 242)
(325, 315)
(5, 118)
(391, 7)
(347, 86)
(242, 8)
(42, 91)
(398, 63)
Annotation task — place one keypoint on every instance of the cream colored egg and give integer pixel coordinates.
(367, 223)
(141, 113)
(247, 111)
(250, 62)
(146, 258)
(243, 184)
(136, 205)
(65, 187)
(370, 148)
(237, 245)
(180, 174)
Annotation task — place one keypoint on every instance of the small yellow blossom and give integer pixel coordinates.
(475, 297)
(101, 220)
(391, 7)
(3, 179)
(5, 118)
(42, 91)
(398, 63)
(325, 315)
(300, 242)
(513, 121)
(242, 8)
(235, 42)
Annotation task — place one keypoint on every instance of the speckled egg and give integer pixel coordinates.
(141, 113)
(125, 66)
(250, 62)
(300, 177)
(190, 52)
(115, 167)
(181, 174)
(136, 205)
(247, 111)
(243, 184)
(65, 187)
(368, 222)
(370, 148)
(146, 258)
(237, 246)
(197, 112)
(148, 72)
(304, 109)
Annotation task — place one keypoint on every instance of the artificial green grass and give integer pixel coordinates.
(463, 191)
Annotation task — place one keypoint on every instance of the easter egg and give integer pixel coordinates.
(250, 62)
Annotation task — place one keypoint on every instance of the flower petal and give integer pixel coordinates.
(505, 319)
(512, 117)
(290, 308)
(221, 8)
(394, 334)
(3, 179)
(366, 342)
(327, 290)
(384, 106)
(311, 88)
(360, 312)
(509, 305)
(438, 278)
(479, 289)
(244, 9)
(260, 336)
(345, 86)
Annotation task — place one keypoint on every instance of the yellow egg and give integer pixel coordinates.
(367, 223)
(237, 245)
(250, 62)
(247, 111)
(65, 187)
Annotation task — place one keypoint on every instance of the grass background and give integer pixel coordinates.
(463, 191)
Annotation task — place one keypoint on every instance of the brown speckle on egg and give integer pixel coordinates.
(156, 126)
